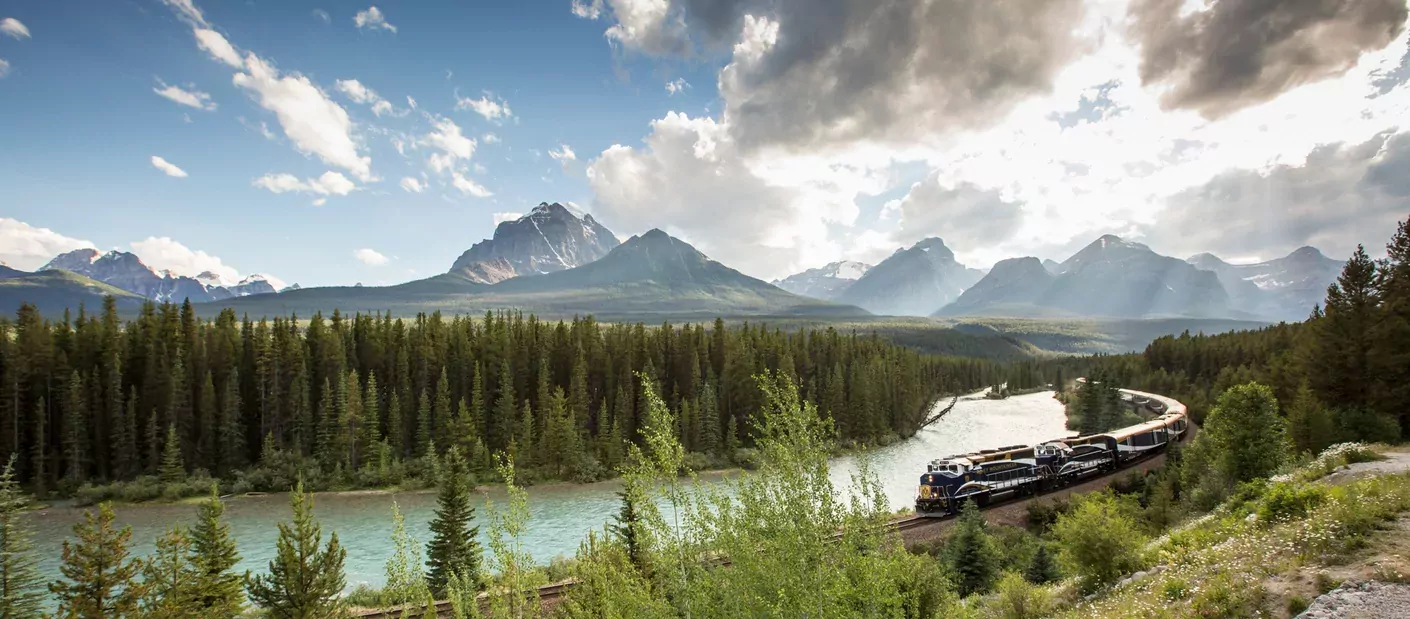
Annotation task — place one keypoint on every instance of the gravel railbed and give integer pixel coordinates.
(1365, 600)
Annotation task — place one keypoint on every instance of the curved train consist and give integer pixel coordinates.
(992, 474)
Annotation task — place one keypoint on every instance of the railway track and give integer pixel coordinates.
(913, 528)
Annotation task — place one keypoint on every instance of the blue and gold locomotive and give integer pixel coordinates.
(993, 474)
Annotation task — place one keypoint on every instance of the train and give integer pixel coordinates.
(1023, 470)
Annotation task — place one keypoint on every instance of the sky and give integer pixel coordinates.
(328, 142)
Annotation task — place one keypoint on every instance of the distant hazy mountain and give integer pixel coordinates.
(912, 282)
(1281, 289)
(1013, 283)
(550, 238)
(125, 271)
(651, 274)
(6, 271)
(1108, 278)
(1052, 266)
(54, 291)
(826, 282)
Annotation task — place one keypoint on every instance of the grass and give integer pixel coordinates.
(1231, 562)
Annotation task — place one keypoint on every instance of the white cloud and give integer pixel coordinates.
(411, 103)
(690, 180)
(187, 11)
(14, 28)
(163, 253)
(4, 67)
(27, 248)
(320, 201)
(500, 218)
(650, 26)
(587, 11)
(491, 107)
(469, 187)
(563, 154)
(323, 16)
(490, 138)
(676, 85)
(189, 98)
(359, 93)
(167, 167)
(447, 138)
(313, 122)
(330, 183)
(220, 49)
(372, 19)
(370, 257)
(413, 185)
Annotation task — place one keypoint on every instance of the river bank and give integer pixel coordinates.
(561, 513)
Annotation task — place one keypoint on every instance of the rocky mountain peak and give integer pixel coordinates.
(551, 237)
(825, 282)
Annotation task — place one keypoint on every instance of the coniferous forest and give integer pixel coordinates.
(363, 400)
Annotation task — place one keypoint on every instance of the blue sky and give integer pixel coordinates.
(277, 137)
(82, 121)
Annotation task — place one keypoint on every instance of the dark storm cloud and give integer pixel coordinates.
(894, 70)
(843, 70)
(1345, 194)
(1238, 53)
(968, 217)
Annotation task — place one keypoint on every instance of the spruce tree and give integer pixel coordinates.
(75, 429)
(126, 462)
(502, 420)
(21, 589)
(206, 455)
(219, 590)
(627, 525)
(525, 439)
(168, 579)
(1042, 569)
(231, 432)
(173, 470)
(303, 582)
(371, 430)
(453, 548)
(709, 420)
(100, 580)
(423, 425)
(396, 430)
(970, 553)
(39, 473)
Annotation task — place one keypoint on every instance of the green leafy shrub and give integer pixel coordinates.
(1227, 598)
(1016, 598)
(1286, 501)
(1099, 540)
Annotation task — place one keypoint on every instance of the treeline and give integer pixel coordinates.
(94, 398)
(1339, 376)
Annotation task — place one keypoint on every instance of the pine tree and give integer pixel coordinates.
(206, 455)
(440, 411)
(219, 590)
(1309, 424)
(970, 553)
(525, 438)
(453, 548)
(560, 436)
(178, 408)
(173, 470)
(578, 397)
(1042, 569)
(327, 427)
(709, 420)
(423, 425)
(126, 463)
(627, 526)
(502, 421)
(38, 470)
(101, 582)
(21, 588)
(396, 430)
(153, 441)
(303, 582)
(76, 429)
(168, 578)
(231, 433)
(371, 430)
(476, 412)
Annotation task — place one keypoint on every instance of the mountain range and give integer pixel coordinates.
(556, 260)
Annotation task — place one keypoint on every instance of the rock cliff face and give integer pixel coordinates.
(912, 282)
(826, 282)
(552, 237)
